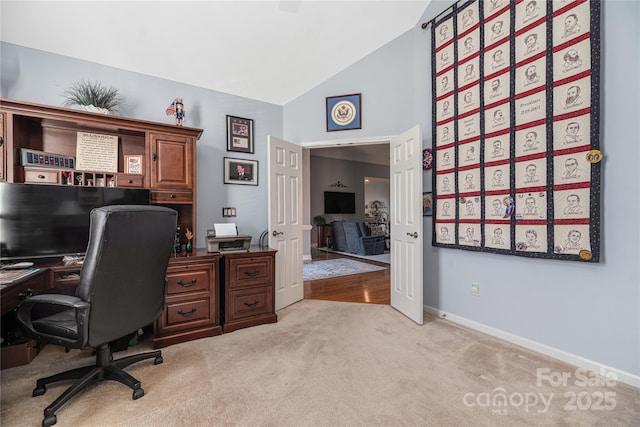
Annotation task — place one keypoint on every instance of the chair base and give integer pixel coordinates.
(105, 369)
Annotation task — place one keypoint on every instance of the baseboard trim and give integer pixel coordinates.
(306, 258)
(579, 361)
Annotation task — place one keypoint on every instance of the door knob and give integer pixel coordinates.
(276, 233)
(414, 234)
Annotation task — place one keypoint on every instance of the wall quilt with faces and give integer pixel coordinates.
(516, 128)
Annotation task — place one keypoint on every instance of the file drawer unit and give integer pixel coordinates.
(248, 298)
(192, 308)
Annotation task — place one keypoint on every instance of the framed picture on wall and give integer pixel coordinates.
(344, 112)
(239, 134)
(427, 203)
(240, 171)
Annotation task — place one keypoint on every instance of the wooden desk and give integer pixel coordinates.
(12, 294)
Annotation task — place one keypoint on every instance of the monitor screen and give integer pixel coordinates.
(38, 221)
(339, 202)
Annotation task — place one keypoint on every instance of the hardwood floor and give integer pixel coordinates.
(372, 287)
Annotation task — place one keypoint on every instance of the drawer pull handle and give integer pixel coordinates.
(254, 274)
(253, 304)
(189, 284)
(130, 181)
(173, 196)
(190, 313)
(41, 177)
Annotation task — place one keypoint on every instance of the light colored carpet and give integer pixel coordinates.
(326, 364)
(335, 267)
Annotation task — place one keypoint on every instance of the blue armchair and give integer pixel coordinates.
(352, 237)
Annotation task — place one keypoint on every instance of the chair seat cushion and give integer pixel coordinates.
(61, 324)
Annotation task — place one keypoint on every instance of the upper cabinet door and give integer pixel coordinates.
(172, 159)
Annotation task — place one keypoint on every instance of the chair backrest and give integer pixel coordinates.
(124, 270)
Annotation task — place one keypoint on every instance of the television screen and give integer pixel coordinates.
(39, 221)
(339, 203)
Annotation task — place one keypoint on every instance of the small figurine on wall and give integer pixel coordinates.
(176, 109)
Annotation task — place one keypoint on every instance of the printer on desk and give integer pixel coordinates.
(224, 238)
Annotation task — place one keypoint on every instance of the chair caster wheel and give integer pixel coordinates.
(158, 360)
(39, 391)
(137, 394)
(49, 421)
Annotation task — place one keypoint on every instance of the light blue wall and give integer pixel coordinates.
(590, 310)
(41, 77)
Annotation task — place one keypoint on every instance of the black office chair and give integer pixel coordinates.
(122, 289)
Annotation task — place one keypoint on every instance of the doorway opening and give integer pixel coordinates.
(360, 168)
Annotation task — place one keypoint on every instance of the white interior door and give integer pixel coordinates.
(406, 224)
(285, 219)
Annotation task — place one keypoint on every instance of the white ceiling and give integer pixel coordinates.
(272, 51)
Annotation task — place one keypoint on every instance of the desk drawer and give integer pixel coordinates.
(188, 311)
(168, 197)
(249, 302)
(250, 271)
(129, 180)
(192, 278)
(41, 176)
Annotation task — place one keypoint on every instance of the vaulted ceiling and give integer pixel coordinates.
(272, 51)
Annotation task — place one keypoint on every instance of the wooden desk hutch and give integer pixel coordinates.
(168, 171)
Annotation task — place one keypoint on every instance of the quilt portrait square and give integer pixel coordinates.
(531, 205)
(497, 88)
(468, 71)
(531, 238)
(469, 153)
(496, 177)
(497, 236)
(571, 168)
(469, 44)
(469, 234)
(445, 233)
(444, 134)
(446, 208)
(530, 44)
(497, 29)
(469, 99)
(445, 183)
(468, 17)
(445, 108)
(571, 24)
(571, 204)
(496, 59)
(528, 12)
(445, 158)
(469, 181)
(470, 208)
(531, 173)
(572, 96)
(497, 118)
(572, 132)
(531, 76)
(445, 58)
(496, 148)
(531, 140)
(572, 60)
(571, 239)
(495, 207)
(444, 32)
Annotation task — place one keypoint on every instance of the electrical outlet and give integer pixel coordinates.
(475, 289)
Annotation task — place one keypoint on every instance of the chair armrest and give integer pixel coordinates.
(70, 302)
